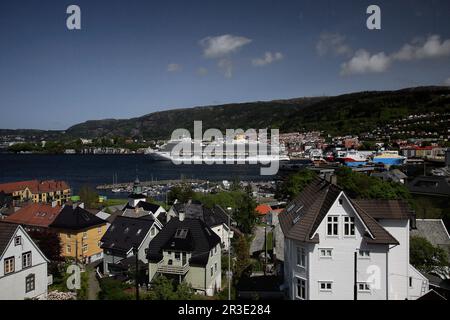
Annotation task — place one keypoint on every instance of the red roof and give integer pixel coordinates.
(35, 214)
(263, 209)
(35, 186)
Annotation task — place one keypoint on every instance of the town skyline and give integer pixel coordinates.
(129, 61)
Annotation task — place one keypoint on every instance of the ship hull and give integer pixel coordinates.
(389, 161)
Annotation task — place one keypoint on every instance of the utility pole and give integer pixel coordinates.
(265, 249)
(136, 280)
(229, 258)
(355, 285)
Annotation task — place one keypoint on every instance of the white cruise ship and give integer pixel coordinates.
(239, 150)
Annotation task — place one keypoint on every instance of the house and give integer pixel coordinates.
(80, 232)
(337, 248)
(38, 191)
(123, 236)
(216, 218)
(430, 185)
(393, 175)
(35, 216)
(23, 267)
(188, 250)
(434, 231)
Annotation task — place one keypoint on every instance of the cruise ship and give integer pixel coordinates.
(239, 150)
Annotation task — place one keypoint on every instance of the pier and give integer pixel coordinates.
(124, 185)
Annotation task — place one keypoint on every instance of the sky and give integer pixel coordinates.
(134, 57)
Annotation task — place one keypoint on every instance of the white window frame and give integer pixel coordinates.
(17, 241)
(326, 283)
(85, 248)
(296, 292)
(326, 256)
(11, 262)
(300, 258)
(349, 223)
(30, 285)
(27, 260)
(334, 222)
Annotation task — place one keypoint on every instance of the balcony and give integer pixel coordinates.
(171, 269)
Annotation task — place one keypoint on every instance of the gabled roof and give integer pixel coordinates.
(211, 216)
(432, 185)
(386, 209)
(263, 209)
(7, 230)
(305, 213)
(434, 231)
(35, 214)
(35, 186)
(147, 206)
(76, 219)
(200, 239)
(125, 232)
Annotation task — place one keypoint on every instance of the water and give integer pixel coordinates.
(93, 170)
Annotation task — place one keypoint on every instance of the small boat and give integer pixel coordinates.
(389, 158)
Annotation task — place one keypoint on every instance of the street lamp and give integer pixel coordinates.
(136, 255)
(229, 253)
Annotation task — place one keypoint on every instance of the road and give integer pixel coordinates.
(258, 241)
(94, 287)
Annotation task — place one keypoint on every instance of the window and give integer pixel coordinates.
(152, 232)
(68, 248)
(332, 226)
(29, 283)
(364, 287)
(325, 286)
(410, 282)
(341, 201)
(85, 235)
(26, 259)
(177, 256)
(301, 257)
(215, 267)
(215, 249)
(85, 248)
(212, 271)
(9, 265)
(18, 241)
(364, 254)
(325, 253)
(99, 230)
(301, 289)
(349, 226)
(68, 236)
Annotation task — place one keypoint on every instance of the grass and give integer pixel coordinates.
(114, 202)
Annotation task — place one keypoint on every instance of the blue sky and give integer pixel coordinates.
(136, 57)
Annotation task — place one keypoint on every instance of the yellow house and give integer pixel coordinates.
(80, 232)
(38, 191)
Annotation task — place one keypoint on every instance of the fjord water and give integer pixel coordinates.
(93, 170)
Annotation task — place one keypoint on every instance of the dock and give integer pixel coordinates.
(124, 185)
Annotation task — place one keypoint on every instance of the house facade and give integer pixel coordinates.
(123, 236)
(38, 191)
(23, 267)
(187, 250)
(337, 248)
(80, 232)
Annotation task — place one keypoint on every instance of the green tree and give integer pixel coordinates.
(182, 193)
(166, 289)
(424, 256)
(294, 184)
(245, 214)
(243, 261)
(88, 196)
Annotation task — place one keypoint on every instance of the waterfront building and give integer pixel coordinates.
(38, 191)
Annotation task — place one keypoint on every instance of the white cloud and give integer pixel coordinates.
(268, 58)
(447, 82)
(431, 48)
(333, 43)
(202, 71)
(174, 67)
(224, 45)
(364, 62)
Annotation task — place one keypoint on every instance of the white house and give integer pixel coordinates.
(337, 248)
(23, 267)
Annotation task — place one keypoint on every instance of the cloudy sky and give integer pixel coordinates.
(134, 57)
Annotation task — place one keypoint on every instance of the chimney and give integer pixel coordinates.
(181, 216)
